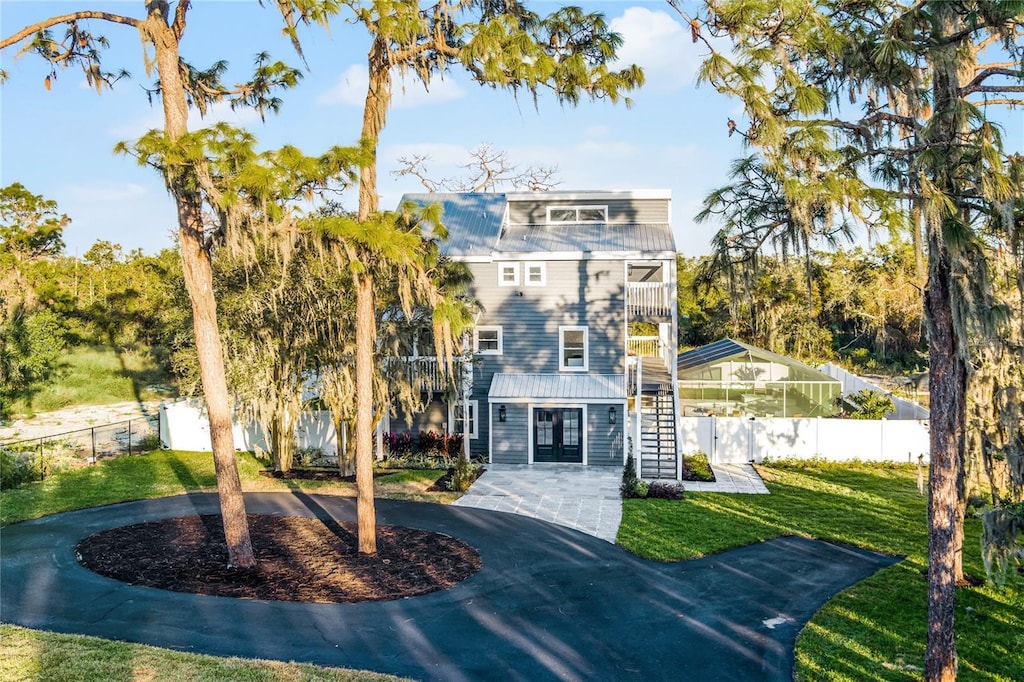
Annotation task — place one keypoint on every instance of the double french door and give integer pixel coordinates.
(558, 434)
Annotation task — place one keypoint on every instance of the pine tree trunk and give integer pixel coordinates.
(198, 273)
(947, 385)
(374, 112)
(947, 364)
(375, 109)
(365, 513)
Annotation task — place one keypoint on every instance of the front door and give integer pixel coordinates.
(558, 434)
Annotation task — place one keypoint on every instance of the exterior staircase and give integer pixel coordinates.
(658, 451)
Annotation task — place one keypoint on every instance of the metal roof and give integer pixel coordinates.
(557, 386)
(475, 223)
(724, 349)
(473, 220)
(587, 237)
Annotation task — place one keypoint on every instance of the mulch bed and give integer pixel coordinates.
(298, 559)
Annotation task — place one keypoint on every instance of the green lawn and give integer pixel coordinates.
(34, 655)
(98, 375)
(875, 629)
(169, 472)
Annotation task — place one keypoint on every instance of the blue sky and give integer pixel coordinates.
(59, 143)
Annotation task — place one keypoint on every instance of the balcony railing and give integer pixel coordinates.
(424, 373)
(649, 298)
(644, 346)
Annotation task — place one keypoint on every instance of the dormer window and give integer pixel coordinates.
(577, 214)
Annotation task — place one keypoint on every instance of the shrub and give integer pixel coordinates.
(660, 490)
(439, 446)
(630, 483)
(430, 443)
(147, 443)
(463, 475)
(19, 468)
(313, 457)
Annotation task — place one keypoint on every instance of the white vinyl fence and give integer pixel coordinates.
(184, 426)
(733, 440)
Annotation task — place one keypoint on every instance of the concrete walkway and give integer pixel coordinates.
(572, 495)
(549, 603)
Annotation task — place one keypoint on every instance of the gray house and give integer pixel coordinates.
(577, 330)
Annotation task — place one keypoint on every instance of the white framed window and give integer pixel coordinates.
(573, 349)
(455, 410)
(577, 214)
(535, 274)
(508, 274)
(488, 341)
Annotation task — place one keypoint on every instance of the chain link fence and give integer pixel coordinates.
(37, 458)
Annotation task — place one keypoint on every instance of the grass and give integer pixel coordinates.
(875, 629)
(169, 472)
(34, 655)
(99, 375)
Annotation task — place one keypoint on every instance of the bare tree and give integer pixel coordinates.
(487, 170)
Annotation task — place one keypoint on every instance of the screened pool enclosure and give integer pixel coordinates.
(731, 379)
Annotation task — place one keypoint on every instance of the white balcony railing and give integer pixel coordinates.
(649, 298)
(644, 346)
(423, 371)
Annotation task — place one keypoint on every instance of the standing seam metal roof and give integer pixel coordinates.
(475, 223)
(473, 220)
(654, 237)
(727, 348)
(557, 386)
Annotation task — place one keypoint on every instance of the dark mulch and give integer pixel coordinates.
(299, 559)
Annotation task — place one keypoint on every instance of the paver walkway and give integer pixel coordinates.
(730, 478)
(571, 495)
(581, 497)
(549, 603)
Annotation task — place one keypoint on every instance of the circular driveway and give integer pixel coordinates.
(549, 602)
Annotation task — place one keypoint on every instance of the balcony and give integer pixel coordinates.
(650, 299)
(423, 373)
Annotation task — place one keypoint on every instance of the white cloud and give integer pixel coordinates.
(408, 90)
(659, 44)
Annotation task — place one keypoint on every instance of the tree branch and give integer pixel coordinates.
(976, 83)
(64, 19)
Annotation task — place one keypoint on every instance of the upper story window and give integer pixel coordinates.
(508, 274)
(535, 274)
(573, 349)
(577, 214)
(487, 340)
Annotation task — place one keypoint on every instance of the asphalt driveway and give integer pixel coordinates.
(549, 602)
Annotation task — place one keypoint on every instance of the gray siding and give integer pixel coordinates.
(586, 293)
(433, 418)
(511, 437)
(619, 210)
(604, 440)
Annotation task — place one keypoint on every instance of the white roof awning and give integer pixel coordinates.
(558, 387)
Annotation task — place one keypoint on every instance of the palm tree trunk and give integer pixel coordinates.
(198, 274)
